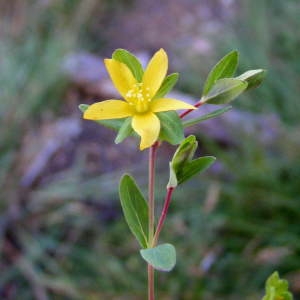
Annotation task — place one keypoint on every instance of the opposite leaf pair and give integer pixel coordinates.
(135, 207)
(221, 88)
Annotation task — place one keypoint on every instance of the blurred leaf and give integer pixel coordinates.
(114, 124)
(167, 85)
(171, 127)
(161, 257)
(125, 131)
(225, 68)
(208, 116)
(277, 289)
(253, 77)
(135, 209)
(224, 91)
(130, 61)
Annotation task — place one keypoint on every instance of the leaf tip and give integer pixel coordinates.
(83, 107)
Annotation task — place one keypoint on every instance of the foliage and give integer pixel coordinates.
(277, 289)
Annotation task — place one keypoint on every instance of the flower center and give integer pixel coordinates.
(139, 97)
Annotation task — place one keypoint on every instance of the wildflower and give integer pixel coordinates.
(140, 102)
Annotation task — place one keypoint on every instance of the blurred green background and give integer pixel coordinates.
(62, 234)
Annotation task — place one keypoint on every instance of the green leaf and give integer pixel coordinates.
(135, 209)
(171, 127)
(173, 182)
(130, 61)
(167, 85)
(182, 167)
(277, 289)
(182, 155)
(194, 167)
(253, 77)
(225, 68)
(224, 91)
(211, 115)
(125, 131)
(114, 124)
(161, 257)
(184, 152)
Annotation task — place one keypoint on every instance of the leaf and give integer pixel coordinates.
(161, 257)
(226, 67)
(253, 77)
(171, 127)
(184, 152)
(277, 289)
(224, 91)
(167, 85)
(83, 107)
(125, 131)
(182, 155)
(114, 124)
(194, 167)
(135, 209)
(182, 167)
(173, 182)
(130, 61)
(211, 115)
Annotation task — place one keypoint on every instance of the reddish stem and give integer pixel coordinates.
(151, 295)
(153, 238)
(186, 112)
(163, 215)
(151, 207)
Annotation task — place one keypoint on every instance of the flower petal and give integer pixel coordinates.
(156, 72)
(147, 126)
(120, 75)
(166, 104)
(109, 109)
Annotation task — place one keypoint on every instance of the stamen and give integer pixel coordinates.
(139, 97)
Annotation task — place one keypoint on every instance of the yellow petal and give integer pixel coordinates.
(156, 72)
(147, 126)
(109, 109)
(120, 75)
(166, 104)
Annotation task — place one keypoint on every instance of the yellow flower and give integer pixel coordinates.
(140, 102)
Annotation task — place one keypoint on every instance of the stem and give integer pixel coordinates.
(169, 191)
(153, 238)
(151, 207)
(163, 215)
(152, 158)
(186, 112)
(151, 295)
